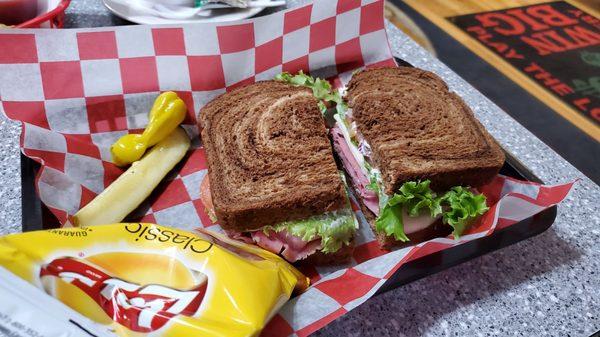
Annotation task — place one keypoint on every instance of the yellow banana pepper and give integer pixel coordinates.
(166, 114)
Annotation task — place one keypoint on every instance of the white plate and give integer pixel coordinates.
(223, 15)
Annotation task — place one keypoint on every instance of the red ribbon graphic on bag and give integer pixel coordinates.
(139, 308)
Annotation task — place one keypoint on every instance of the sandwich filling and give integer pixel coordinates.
(415, 206)
(296, 239)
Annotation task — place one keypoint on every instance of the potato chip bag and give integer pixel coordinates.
(140, 279)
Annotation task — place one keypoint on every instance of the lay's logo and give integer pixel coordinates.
(137, 306)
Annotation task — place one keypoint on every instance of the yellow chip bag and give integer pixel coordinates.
(139, 279)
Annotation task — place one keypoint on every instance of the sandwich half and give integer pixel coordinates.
(415, 154)
(273, 178)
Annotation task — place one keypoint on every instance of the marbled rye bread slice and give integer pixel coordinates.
(418, 129)
(269, 158)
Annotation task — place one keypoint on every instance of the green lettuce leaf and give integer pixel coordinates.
(418, 196)
(321, 89)
(340, 109)
(334, 228)
(373, 185)
(390, 222)
(461, 208)
(414, 197)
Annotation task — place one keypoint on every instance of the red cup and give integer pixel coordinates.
(13, 12)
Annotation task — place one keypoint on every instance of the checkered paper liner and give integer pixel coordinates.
(77, 91)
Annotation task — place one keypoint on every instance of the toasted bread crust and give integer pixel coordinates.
(418, 129)
(269, 158)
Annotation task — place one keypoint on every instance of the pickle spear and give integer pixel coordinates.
(133, 186)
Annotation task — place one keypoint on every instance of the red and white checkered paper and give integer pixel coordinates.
(76, 91)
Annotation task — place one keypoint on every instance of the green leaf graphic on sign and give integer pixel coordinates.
(590, 87)
(591, 58)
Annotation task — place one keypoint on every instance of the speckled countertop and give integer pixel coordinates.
(548, 285)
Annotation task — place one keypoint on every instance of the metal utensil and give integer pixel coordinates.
(148, 8)
(179, 12)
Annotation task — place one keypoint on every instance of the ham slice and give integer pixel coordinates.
(359, 179)
(240, 236)
(291, 247)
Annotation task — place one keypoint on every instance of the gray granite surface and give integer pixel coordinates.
(548, 285)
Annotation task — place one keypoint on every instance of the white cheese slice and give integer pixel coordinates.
(413, 225)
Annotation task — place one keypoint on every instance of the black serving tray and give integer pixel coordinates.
(37, 216)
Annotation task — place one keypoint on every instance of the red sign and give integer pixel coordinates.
(555, 44)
